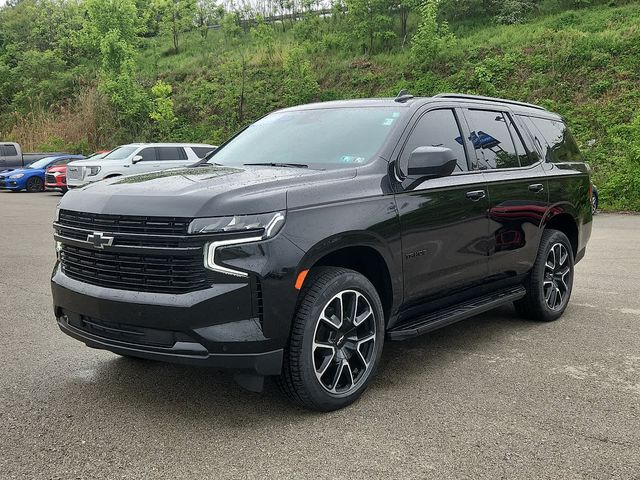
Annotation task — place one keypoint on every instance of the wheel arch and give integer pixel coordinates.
(364, 253)
(565, 222)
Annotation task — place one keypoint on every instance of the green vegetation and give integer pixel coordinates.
(88, 74)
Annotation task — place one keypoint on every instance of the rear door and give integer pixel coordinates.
(443, 220)
(517, 188)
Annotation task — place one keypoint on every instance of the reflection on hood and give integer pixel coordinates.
(210, 172)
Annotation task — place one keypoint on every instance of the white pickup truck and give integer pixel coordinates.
(11, 156)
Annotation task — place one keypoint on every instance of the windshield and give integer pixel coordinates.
(43, 162)
(120, 153)
(323, 138)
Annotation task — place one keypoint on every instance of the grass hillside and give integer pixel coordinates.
(583, 64)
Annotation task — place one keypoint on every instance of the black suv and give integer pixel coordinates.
(320, 231)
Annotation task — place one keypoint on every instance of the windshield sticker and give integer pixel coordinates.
(388, 121)
(395, 114)
(352, 159)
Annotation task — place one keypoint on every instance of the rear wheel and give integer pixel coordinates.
(336, 340)
(35, 184)
(551, 279)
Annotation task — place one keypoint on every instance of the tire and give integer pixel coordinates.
(325, 367)
(550, 282)
(35, 184)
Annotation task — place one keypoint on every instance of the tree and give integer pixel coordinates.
(370, 21)
(162, 113)
(207, 13)
(299, 83)
(177, 16)
(432, 36)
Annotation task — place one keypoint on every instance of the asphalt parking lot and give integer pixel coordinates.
(491, 397)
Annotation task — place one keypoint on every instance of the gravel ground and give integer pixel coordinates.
(490, 397)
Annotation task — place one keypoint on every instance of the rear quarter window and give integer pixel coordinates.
(557, 141)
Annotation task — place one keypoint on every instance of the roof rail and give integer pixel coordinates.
(488, 99)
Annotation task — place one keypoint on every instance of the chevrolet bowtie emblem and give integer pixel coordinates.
(99, 240)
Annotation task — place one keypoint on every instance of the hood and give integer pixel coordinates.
(57, 168)
(197, 192)
(19, 170)
(93, 162)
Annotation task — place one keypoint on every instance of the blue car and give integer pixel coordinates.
(31, 178)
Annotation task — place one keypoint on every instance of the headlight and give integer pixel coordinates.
(93, 171)
(264, 224)
(56, 218)
(17, 175)
(258, 227)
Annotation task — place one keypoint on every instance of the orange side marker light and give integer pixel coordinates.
(300, 280)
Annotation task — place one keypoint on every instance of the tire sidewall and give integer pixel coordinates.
(33, 181)
(553, 237)
(350, 280)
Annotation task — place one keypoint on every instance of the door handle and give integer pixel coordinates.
(476, 195)
(536, 187)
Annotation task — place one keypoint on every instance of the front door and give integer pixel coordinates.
(443, 220)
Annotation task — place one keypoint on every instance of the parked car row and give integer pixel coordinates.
(64, 171)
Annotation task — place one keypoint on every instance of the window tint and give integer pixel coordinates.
(491, 140)
(201, 152)
(438, 128)
(170, 153)
(8, 151)
(523, 156)
(148, 154)
(560, 146)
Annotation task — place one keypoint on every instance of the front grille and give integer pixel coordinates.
(141, 273)
(127, 333)
(50, 178)
(124, 223)
(130, 241)
(75, 173)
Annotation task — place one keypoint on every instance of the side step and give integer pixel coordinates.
(446, 316)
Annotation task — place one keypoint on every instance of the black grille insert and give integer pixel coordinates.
(125, 223)
(142, 273)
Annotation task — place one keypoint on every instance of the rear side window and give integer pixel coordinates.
(171, 153)
(559, 145)
(201, 152)
(492, 140)
(8, 151)
(437, 128)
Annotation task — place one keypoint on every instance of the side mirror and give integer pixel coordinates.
(430, 162)
(136, 159)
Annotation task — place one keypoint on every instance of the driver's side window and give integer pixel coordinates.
(148, 154)
(437, 128)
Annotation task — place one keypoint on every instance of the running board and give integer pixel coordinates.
(446, 316)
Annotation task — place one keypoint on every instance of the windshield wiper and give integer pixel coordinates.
(275, 164)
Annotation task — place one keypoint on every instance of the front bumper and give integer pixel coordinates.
(11, 185)
(213, 327)
(59, 182)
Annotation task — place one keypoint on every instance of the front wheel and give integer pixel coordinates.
(35, 184)
(336, 340)
(551, 279)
